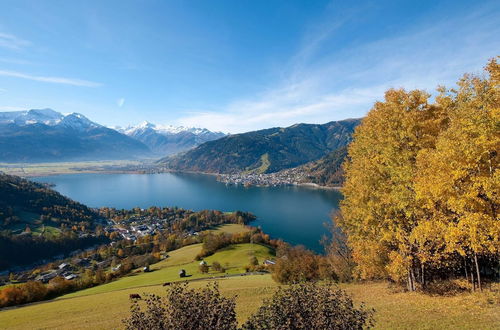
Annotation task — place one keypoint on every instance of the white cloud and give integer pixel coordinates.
(346, 82)
(120, 102)
(54, 80)
(2, 90)
(12, 42)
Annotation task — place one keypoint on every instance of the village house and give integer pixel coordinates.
(63, 266)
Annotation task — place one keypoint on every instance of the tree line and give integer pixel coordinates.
(421, 194)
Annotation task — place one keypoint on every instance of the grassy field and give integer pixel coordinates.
(106, 310)
(230, 228)
(234, 258)
(403, 310)
(105, 306)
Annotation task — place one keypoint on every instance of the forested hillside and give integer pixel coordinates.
(265, 151)
(27, 204)
(326, 171)
(37, 222)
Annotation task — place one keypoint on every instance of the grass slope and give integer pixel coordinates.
(106, 310)
(234, 258)
(393, 310)
(105, 306)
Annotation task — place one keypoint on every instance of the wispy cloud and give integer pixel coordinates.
(48, 79)
(120, 102)
(2, 90)
(12, 42)
(321, 86)
(15, 61)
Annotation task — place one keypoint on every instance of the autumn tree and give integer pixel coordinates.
(296, 264)
(459, 180)
(380, 209)
(422, 181)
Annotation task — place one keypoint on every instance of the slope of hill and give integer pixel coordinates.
(26, 203)
(46, 135)
(265, 151)
(167, 140)
(394, 310)
(31, 219)
(326, 171)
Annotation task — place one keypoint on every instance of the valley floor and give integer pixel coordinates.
(45, 169)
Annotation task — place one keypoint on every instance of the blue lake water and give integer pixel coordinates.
(294, 214)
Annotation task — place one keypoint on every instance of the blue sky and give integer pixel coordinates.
(232, 65)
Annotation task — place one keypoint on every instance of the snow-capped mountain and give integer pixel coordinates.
(29, 117)
(47, 117)
(164, 129)
(78, 121)
(168, 139)
(46, 135)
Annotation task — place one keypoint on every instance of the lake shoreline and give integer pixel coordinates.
(302, 184)
(295, 214)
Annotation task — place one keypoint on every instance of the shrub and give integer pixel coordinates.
(310, 306)
(184, 308)
(254, 261)
(34, 291)
(203, 268)
(296, 265)
(11, 296)
(217, 267)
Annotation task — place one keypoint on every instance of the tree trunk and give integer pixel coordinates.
(477, 272)
(423, 275)
(411, 279)
(472, 279)
(465, 268)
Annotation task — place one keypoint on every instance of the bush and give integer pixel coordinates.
(218, 267)
(310, 306)
(254, 261)
(296, 265)
(203, 268)
(34, 291)
(11, 296)
(184, 308)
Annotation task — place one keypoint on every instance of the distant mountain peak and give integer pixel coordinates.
(162, 129)
(78, 121)
(169, 139)
(29, 117)
(47, 135)
(47, 117)
(146, 124)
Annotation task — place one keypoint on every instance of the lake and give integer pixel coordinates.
(295, 214)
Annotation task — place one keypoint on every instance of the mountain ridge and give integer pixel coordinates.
(39, 135)
(265, 151)
(46, 135)
(166, 140)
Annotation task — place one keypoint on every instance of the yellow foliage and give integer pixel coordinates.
(422, 180)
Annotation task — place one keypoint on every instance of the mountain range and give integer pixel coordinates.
(167, 140)
(265, 151)
(46, 135)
